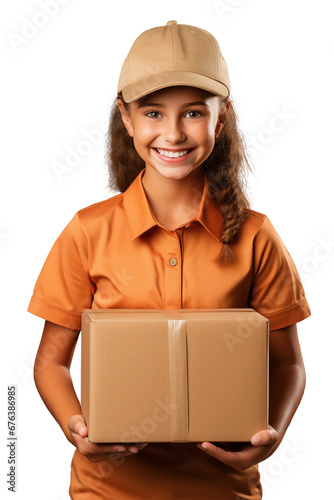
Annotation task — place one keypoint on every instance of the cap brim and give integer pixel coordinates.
(152, 83)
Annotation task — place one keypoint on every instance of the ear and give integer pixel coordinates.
(125, 117)
(222, 119)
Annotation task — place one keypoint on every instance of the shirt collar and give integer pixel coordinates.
(141, 218)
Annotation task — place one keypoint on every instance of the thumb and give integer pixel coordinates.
(263, 438)
(77, 425)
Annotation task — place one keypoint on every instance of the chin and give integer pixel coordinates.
(175, 173)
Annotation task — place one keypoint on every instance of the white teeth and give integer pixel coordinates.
(170, 154)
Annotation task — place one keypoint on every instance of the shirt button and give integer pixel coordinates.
(173, 262)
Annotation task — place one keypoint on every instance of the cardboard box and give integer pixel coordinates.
(174, 375)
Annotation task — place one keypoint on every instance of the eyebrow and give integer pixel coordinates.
(145, 104)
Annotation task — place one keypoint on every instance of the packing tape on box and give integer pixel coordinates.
(178, 374)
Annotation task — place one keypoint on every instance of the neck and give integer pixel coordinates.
(174, 201)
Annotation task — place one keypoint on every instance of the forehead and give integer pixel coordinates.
(185, 93)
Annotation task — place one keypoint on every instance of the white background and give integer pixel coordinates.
(59, 76)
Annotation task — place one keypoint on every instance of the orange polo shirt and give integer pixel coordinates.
(115, 254)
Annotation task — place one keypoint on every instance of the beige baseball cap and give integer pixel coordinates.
(175, 54)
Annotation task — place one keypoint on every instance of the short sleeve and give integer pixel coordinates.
(276, 292)
(64, 287)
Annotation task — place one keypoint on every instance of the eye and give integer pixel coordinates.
(193, 114)
(153, 114)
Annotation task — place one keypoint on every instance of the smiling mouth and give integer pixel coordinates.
(173, 154)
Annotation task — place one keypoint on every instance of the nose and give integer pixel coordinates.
(173, 131)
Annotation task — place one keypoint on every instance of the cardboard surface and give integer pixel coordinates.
(174, 375)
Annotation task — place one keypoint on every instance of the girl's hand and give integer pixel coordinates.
(241, 456)
(98, 452)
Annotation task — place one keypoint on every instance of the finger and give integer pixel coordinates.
(77, 424)
(239, 460)
(136, 448)
(106, 448)
(215, 451)
(227, 457)
(132, 448)
(113, 448)
(231, 446)
(265, 437)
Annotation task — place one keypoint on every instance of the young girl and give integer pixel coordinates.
(180, 235)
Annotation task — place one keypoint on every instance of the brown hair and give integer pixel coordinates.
(225, 170)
